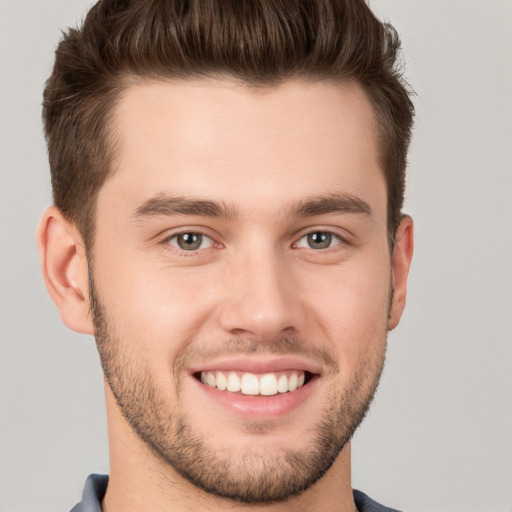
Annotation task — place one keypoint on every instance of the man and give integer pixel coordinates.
(228, 181)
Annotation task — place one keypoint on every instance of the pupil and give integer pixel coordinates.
(189, 241)
(319, 240)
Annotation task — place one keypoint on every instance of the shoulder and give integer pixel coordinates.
(365, 504)
(94, 490)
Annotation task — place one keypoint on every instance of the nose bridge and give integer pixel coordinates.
(261, 300)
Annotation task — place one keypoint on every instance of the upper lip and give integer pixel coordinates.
(258, 365)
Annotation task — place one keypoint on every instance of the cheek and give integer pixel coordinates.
(156, 309)
(350, 308)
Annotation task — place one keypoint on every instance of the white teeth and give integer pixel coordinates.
(293, 381)
(211, 380)
(222, 382)
(233, 382)
(268, 384)
(282, 384)
(251, 384)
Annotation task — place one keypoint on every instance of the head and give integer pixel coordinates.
(267, 43)
(229, 178)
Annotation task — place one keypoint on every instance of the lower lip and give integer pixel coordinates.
(254, 407)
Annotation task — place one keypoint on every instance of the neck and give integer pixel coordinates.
(140, 481)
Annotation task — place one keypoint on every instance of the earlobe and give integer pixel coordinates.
(401, 263)
(64, 267)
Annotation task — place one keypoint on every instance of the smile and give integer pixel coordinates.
(255, 388)
(253, 384)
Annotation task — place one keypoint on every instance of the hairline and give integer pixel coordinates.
(125, 81)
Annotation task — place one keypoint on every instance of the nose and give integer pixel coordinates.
(262, 299)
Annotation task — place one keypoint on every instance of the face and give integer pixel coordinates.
(241, 279)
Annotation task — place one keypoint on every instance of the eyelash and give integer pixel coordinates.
(341, 242)
(191, 252)
(334, 236)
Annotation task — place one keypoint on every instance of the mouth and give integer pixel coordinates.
(255, 384)
(257, 388)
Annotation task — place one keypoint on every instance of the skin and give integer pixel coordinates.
(255, 280)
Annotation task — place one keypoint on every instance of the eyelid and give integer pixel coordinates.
(182, 230)
(333, 232)
(205, 239)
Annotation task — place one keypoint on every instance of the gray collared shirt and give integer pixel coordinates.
(96, 485)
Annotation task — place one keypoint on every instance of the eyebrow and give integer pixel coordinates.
(331, 203)
(164, 205)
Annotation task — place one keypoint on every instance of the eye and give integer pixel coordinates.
(190, 241)
(319, 240)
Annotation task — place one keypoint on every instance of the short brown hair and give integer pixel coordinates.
(259, 42)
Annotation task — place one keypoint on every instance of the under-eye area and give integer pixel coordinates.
(253, 384)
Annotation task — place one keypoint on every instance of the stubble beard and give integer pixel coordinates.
(248, 477)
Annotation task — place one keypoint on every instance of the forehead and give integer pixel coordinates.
(217, 139)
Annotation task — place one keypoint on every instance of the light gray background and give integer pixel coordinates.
(439, 437)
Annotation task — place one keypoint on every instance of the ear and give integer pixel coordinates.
(64, 266)
(401, 262)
